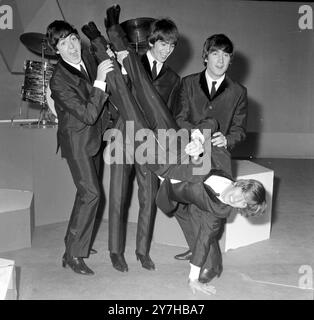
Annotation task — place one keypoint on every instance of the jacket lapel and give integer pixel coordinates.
(146, 65)
(72, 71)
(203, 85)
(90, 65)
(223, 86)
(162, 71)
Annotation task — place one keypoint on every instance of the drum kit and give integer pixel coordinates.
(137, 31)
(36, 78)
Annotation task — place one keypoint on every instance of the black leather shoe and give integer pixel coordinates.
(77, 264)
(146, 261)
(91, 31)
(208, 275)
(184, 256)
(118, 262)
(113, 14)
(93, 251)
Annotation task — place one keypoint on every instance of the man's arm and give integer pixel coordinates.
(85, 110)
(68, 96)
(182, 112)
(237, 131)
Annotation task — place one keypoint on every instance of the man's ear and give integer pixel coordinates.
(243, 205)
(150, 44)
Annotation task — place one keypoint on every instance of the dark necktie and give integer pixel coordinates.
(154, 70)
(213, 90)
(84, 72)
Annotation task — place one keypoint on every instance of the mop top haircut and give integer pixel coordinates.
(217, 42)
(59, 29)
(255, 195)
(164, 30)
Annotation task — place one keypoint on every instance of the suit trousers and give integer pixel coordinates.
(201, 231)
(119, 192)
(84, 172)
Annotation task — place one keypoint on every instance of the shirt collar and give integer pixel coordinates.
(151, 60)
(209, 80)
(76, 65)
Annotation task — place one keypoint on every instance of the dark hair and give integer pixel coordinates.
(255, 195)
(217, 42)
(59, 29)
(164, 30)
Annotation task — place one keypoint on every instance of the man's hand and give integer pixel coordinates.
(194, 148)
(195, 285)
(219, 140)
(110, 52)
(121, 55)
(103, 69)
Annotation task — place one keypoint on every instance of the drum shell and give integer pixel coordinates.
(36, 80)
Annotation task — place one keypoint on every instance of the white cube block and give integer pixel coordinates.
(16, 219)
(7, 280)
(239, 231)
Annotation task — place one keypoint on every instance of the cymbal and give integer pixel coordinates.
(137, 29)
(37, 42)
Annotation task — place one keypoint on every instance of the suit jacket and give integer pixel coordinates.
(167, 83)
(204, 197)
(228, 107)
(79, 106)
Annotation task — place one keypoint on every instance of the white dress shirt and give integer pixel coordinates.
(151, 59)
(209, 80)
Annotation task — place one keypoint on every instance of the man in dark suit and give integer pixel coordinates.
(213, 192)
(78, 89)
(213, 201)
(162, 41)
(210, 93)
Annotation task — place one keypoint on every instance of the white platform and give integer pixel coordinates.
(239, 231)
(16, 219)
(7, 280)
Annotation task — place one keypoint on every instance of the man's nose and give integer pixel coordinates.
(71, 44)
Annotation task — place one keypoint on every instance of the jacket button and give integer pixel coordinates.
(210, 107)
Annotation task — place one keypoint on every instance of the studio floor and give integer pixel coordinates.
(267, 270)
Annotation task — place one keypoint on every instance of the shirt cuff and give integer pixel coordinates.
(197, 134)
(100, 84)
(123, 71)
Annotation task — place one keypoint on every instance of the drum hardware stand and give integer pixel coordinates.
(46, 118)
(44, 111)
